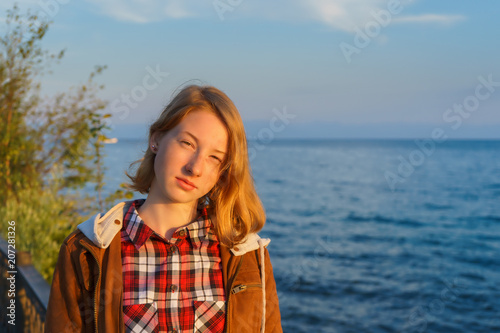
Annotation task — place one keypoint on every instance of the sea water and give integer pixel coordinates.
(376, 235)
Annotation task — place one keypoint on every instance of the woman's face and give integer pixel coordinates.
(188, 158)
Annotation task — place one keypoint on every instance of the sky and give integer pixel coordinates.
(294, 68)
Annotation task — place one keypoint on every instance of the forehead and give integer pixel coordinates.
(206, 127)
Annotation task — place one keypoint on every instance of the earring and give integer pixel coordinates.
(153, 147)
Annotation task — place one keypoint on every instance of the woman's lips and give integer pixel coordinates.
(185, 184)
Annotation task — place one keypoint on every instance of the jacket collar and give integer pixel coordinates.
(101, 229)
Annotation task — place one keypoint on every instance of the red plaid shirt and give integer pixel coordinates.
(171, 286)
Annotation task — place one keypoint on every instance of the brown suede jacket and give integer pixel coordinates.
(86, 293)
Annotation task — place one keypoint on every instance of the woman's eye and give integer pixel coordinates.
(187, 143)
(216, 158)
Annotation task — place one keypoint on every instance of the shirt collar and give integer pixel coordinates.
(135, 228)
(198, 230)
(138, 232)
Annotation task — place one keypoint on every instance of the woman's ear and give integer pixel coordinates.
(153, 142)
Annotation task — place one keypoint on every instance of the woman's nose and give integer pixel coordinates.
(195, 165)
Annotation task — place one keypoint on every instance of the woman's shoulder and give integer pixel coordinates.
(73, 242)
(250, 243)
(98, 230)
(101, 229)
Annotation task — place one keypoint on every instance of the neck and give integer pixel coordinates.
(165, 218)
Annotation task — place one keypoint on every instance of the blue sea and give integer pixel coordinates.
(376, 235)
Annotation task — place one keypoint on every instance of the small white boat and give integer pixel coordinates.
(110, 140)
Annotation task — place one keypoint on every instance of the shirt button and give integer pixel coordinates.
(173, 331)
(172, 249)
(173, 288)
(182, 233)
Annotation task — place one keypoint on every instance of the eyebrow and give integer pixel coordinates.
(196, 139)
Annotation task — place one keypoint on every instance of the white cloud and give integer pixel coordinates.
(342, 15)
(430, 18)
(144, 11)
(338, 14)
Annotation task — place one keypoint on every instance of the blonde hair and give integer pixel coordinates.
(233, 203)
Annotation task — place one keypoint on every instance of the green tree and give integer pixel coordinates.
(49, 148)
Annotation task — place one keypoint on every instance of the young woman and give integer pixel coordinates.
(185, 259)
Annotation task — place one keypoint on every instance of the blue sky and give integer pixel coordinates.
(407, 64)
